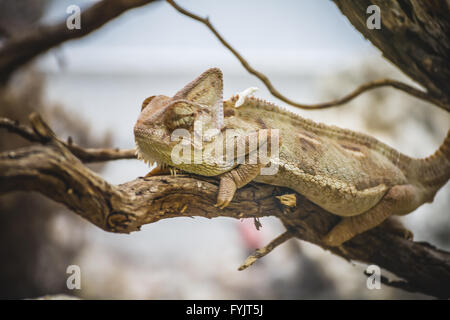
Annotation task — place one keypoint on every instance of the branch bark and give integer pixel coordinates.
(414, 36)
(52, 169)
(22, 48)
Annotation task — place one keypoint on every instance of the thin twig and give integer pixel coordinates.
(365, 87)
(86, 155)
(21, 130)
(266, 250)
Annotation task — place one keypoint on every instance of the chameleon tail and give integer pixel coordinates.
(434, 171)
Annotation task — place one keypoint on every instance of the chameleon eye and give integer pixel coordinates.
(184, 122)
(180, 115)
(146, 102)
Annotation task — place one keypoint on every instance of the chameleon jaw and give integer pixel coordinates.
(159, 165)
(140, 155)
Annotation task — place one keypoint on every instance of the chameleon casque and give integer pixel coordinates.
(347, 173)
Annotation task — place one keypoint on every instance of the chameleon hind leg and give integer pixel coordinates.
(398, 200)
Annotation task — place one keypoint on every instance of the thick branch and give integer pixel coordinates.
(24, 47)
(355, 93)
(414, 35)
(54, 171)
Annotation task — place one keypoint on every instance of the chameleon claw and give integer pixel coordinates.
(221, 204)
(173, 172)
(225, 204)
(330, 241)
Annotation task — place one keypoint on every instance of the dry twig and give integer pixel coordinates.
(86, 155)
(361, 89)
(266, 250)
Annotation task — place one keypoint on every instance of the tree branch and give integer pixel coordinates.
(355, 93)
(21, 130)
(86, 155)
(53, 170)
(266, 250)
(414, 36)
(399, 284)
(24, 47)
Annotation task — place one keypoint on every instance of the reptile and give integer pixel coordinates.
(347, 173)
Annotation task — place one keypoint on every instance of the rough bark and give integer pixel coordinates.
(414, 36)
(53, 170)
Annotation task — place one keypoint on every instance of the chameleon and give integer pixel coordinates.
(347, 173)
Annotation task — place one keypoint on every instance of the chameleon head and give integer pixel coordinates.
(199, 102)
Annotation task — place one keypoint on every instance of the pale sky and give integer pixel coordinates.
(289, 32)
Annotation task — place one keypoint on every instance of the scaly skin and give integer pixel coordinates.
(347, 173)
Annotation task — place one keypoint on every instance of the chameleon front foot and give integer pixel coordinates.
(163, 171)
(227, 189)
(157, 171)
(236, 178)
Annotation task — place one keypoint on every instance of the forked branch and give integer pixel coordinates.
(86, 155)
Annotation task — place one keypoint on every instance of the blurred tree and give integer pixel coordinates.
(19, 15)
(36, 260)
(27, 226)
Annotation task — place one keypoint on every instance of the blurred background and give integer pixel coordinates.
(91, 89)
